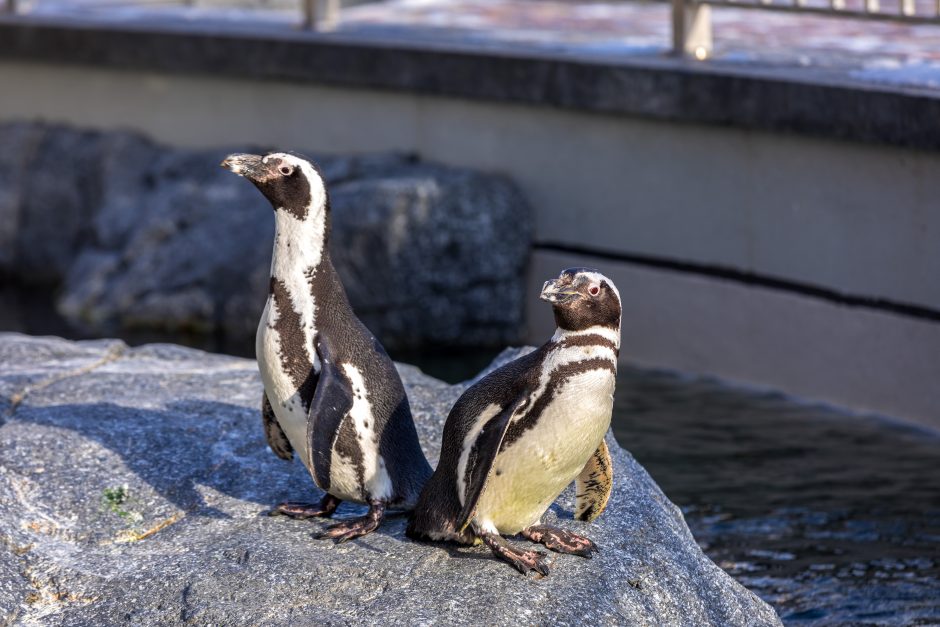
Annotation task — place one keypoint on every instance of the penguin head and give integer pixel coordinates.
(582, 298)
(290, 182)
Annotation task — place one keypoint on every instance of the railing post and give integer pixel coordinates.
(691, 29)
(312, 18)
(309, 8)
(330, 14)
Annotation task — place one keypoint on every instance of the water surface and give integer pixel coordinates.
(833, 518)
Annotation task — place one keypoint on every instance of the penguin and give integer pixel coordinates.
(331, 393)
(516, 438)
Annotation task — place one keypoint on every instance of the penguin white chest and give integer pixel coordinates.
(280, 388)
(530, 473)
(356, 467)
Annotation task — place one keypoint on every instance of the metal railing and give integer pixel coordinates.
(692, 30)
(691, 19)
(320, 14)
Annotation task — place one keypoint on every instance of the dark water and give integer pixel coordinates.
(832, 518)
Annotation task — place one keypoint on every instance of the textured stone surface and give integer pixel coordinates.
(177, 433)
(148, 237)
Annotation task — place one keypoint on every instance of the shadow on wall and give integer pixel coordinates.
(140, 236)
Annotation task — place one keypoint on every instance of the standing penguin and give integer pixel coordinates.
(331, 393)
(516, 438)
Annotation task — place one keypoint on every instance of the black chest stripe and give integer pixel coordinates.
(591, 339)
(292, 353)
(556, 381)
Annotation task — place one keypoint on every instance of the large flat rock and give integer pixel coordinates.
(134, 485)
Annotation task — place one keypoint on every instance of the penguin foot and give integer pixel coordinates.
(523, 561)
(293, 509)
(560, 541)
(357, 527)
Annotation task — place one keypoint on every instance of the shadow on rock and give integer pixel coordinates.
(206, 458)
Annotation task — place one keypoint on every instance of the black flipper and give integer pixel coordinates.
(482, 455)
(273, 432)
(331, 402)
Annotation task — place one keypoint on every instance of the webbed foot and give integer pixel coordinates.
(357, 527)
(293, 509)
(560, 540)
(523, 561)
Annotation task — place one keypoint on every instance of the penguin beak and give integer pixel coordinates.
(245, 165)
(552, 293)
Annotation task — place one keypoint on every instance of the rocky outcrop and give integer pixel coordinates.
(134, 485)
(146, 237)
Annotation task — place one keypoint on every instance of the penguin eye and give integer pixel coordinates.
(286, 170)
(594, 290)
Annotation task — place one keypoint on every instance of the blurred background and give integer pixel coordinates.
(759, 178)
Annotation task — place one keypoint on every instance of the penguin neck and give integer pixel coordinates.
(300, 246)
(301, 267)
(609, 334)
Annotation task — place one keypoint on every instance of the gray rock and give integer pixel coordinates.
(133, 486)
(420, 261)
(146, 237)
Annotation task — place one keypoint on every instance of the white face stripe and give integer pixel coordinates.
(317, 184)
(598, 278)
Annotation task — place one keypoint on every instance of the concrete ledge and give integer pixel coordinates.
(763, 98)
(858, 358)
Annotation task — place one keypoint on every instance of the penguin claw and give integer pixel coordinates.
(561, 541)
(348, 530)
(295, 509)
(357, 527)
(298, 510)
(523, 561)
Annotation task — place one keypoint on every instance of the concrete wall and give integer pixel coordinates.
(849, 218)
